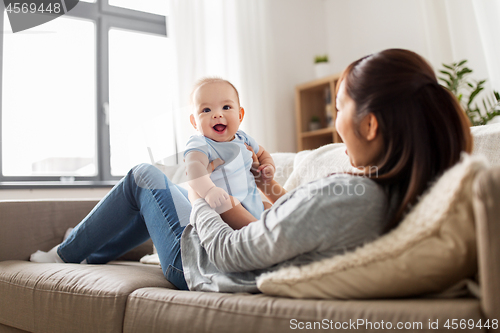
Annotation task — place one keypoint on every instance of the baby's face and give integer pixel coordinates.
(217, 114)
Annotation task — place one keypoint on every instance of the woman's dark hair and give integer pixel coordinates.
(423, 127)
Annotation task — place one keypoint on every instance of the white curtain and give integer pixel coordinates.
(465, 29)
(487, 13)
(226, 38)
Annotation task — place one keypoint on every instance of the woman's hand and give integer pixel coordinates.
(261, 177)
(270, 187)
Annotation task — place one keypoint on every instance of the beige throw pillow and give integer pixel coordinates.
(432, 248)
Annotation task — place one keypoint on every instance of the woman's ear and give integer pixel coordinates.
(370, 127)
(192, 120)
(242, 114)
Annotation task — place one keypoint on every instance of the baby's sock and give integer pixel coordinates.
(51, 256)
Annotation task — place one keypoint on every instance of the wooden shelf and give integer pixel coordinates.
(316, 99)
(322, 131)
(316, 84)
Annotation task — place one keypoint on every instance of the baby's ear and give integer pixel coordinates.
(242, 114)
(192, 120)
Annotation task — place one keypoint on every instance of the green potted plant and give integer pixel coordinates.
(456, 80)
(321, 66)
(314, 123)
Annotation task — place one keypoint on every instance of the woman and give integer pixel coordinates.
(392, 115)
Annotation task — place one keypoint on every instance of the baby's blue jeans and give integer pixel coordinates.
(144, 204)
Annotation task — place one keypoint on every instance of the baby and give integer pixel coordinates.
(221, 147)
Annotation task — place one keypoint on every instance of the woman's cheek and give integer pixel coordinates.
(338, 124)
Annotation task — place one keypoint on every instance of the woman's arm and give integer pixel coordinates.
(302, 224)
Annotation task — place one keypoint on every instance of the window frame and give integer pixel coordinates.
(104, 17)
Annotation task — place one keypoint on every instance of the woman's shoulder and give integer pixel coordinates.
(338, 190)
(338, 200)
(342, 182)
(345, 190)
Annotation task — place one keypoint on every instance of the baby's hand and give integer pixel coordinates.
(216, 197)
(267, 171)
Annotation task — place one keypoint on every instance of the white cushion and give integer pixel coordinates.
(487, 142)
(314, 164)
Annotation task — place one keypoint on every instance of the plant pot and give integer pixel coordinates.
(314, 125)
(322, 69)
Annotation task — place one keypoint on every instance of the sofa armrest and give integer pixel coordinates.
(486, 201)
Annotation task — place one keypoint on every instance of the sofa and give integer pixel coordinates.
(129, 296)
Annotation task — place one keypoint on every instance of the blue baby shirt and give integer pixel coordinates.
(234, 176)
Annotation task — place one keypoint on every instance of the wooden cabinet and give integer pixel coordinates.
(315, 100)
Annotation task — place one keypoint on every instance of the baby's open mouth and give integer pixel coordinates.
(219, 128)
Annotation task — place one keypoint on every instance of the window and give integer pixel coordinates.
(84, 96)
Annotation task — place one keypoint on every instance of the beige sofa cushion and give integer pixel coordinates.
(154, 310)
(70, 298)
(28, 226)
(433, 248)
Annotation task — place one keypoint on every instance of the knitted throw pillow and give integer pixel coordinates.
(432, 248)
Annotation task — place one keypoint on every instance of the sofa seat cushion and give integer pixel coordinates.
(39, 297)
(10, 329)
(162, 310)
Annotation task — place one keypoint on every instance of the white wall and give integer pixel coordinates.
(357, 28)
(443, 31)
(298, 32)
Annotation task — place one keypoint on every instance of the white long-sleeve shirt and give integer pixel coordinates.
(321, 219)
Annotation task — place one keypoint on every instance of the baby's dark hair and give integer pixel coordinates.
(210, 79)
